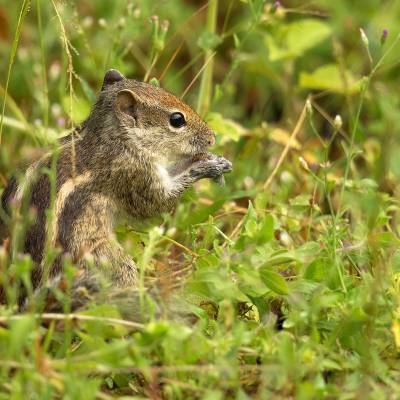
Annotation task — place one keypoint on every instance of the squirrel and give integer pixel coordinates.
(137, 152)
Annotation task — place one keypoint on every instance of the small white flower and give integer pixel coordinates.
(303, 163)
(364, 37)
(171, 231)
(55, 70)
(87, 22)
(159, 230)
(121, 22)
(102, 22)
(337, 122)
(309, 106)
(55, 110)
(136, 13)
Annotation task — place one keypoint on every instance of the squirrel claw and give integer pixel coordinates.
(227, 167)
(220, 180)
(212, 167)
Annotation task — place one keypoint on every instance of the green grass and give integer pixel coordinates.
(292, 268)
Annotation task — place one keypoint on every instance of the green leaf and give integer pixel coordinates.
(261, 304)
(301, 201)
(316, 270)
(249, 282)
(331, 365)
(251, 227)
(250, 221)
(80, 108)
(154, 82)
(307, 252)
(294, 39)
(266, 229)
(287, 351)
(306, 34)
(329, 77)
(279, 257)
(227, 128)
(22, 333)
(273, 281)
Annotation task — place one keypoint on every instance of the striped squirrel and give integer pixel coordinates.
(137, 152)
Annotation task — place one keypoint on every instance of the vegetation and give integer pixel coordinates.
(292, 267)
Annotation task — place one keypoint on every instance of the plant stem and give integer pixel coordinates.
(22, 14)
(206, 79)
(44, 72)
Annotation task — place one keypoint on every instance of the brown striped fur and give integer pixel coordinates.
(125, 157)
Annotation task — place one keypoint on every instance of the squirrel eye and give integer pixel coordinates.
(177, 120)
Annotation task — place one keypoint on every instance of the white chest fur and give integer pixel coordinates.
(165, 178)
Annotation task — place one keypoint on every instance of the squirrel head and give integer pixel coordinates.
(150, 119)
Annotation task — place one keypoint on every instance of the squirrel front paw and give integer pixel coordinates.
(213, 167)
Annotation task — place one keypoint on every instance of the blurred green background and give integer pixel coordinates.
(294, 269)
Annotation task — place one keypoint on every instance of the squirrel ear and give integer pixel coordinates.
(111, 76)
(126, 103)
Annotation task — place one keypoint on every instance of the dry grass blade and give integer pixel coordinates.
(282, 157)
(70, 72)
(74, 317)
(285, 151)
(170, 61)
(197, 75)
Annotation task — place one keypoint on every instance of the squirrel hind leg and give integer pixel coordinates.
(91, 288)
